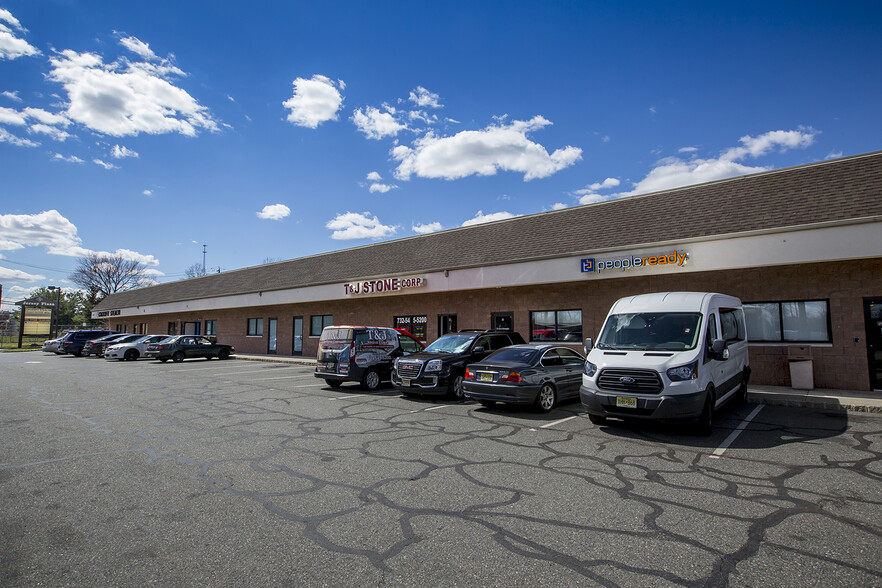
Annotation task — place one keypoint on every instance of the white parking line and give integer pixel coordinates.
(558, 422)
(278, 378)
(719, 451)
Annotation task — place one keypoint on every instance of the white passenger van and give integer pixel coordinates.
(667, 356)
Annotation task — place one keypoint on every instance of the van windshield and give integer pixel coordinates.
(657, 331)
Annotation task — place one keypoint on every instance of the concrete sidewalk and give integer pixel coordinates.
(851, 400)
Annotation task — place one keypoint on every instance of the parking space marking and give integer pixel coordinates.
(545, 426)
(277, 378)
(719, 451)
(216, 367)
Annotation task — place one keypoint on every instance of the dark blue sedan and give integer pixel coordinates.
(540, 374)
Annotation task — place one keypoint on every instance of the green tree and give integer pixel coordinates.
(71, 304)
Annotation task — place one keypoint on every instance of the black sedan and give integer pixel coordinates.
(537, 374)
(180, 347)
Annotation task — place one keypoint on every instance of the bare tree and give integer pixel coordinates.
(105, 274)
(195, 271)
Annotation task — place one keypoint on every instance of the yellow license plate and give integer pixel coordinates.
(626, 402)
(405, 383)
(486, 377)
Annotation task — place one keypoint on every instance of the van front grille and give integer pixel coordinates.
(633, 381)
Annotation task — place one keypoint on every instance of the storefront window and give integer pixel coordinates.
(556, 325)
(255, 327)
(799, 321)
(318, 322)
(416, 325)
(210, 328)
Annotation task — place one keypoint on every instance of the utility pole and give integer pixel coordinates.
(204, 248)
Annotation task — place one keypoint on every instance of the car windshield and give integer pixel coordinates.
(658, 331)
(513, 355)
(452, 343)
(335, 335)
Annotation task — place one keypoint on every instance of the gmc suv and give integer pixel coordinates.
(439, 369)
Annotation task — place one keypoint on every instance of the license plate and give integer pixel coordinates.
(405, 383)
(626, 402)
(486, 377)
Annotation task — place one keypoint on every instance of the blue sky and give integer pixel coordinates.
(284, 129)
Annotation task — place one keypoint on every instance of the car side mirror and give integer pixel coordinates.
(719, 350)
(589, 345)
(478, 350)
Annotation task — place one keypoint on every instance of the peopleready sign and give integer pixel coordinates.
(592, 265)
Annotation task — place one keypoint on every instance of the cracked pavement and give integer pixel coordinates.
(241, 474)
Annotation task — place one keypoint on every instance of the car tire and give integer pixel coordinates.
(454, 387)
(131, 355)
(371, 380)
(546, 399)
(705, 424)
(223, 354)
(487, 403)
(596, 419)
(162, 359)
(178, 357)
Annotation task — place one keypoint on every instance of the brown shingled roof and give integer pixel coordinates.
(828, 191)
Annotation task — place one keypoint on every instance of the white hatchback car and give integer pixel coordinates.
(133, 349)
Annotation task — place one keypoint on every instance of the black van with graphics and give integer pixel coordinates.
(361, 354)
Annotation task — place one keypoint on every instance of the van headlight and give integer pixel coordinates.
(590, 369)
(684, 372)
(433, 365)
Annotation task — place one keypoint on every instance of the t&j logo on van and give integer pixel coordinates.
(675, 258)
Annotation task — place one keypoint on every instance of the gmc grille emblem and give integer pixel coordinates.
(627, 380)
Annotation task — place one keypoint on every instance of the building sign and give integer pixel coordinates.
(38, 321)
(675, 258)
(106, 313)
(383, 286)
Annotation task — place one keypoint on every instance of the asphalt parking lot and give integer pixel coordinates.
(257, 474)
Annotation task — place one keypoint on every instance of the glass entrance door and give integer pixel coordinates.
(873, 317)
(273, 333)
(298, 336)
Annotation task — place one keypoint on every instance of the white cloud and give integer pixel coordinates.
(127, 98)
(13, 275)
(104, 164)
(374, 177)
(11, 95)
(274, 212)
(481, 218)
(47, 118)
(70, 159)
(139, 47)
(315, 101)
(499, 147)
(375, 124)
(353, 225)
(52, 132)
(423, 98)
(12, 47)
(558, 206)
(10, 116)
(7, 137)
(607, 183)
(674, 172)
(426, 228)
(118, 152)
(382, 188)
(147, 192)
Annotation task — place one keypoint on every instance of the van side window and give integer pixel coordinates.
(732, 322)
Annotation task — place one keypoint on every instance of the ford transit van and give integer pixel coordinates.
(361, 354)
(667, 356)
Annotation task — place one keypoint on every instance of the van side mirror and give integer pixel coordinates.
(589, 345)
(719, 350)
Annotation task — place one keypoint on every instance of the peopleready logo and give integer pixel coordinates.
(591, 265)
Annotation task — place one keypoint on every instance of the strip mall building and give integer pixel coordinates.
(801, 247)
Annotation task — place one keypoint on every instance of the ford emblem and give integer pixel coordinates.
(627, 380)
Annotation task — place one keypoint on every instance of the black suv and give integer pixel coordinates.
(74, 341)
(439, 369)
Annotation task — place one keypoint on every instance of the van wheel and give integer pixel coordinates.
(741, 395)
(334, 383)
(371, 380)
(547, 398)
(596, 419)
(705, 424)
